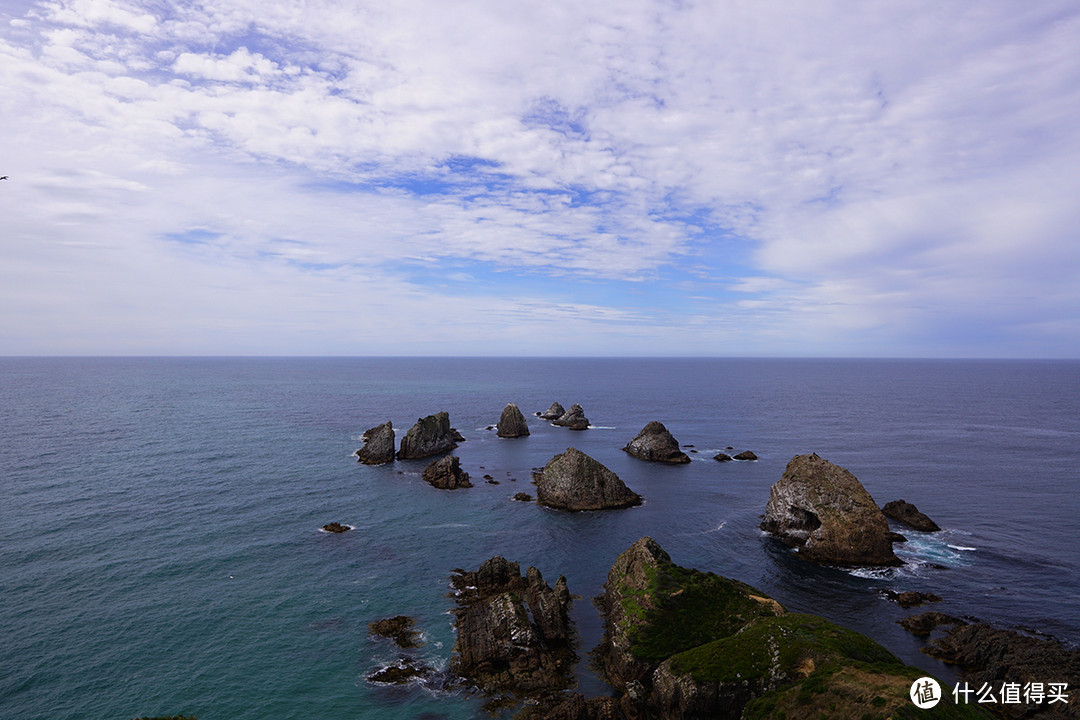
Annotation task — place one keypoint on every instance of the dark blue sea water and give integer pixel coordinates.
(160, 550)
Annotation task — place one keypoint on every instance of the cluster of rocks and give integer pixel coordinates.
(431, 435)
(574, 418)
(744, 455)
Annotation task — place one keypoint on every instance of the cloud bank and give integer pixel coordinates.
(420, 177)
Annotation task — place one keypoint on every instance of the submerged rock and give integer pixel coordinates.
(400, 628)
(554, 412)
(910, 598)
(431, 435)
(655, 444)
(336, 527)
(513, 633)
(680, 643)
(405, 670)
(512, 423)
(825, 511)
(378, 445)
(575, 481)
(905, 512)
(574, 418)
(446, 474)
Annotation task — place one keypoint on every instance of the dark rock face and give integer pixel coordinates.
(655, 444)
(431, 435)
(378, 445)
(512, 423)
(911, 598)
(905, 512)
(680, 643)
(513, 632)
(825, 511)
(574, 481)
(446, 474)
(554, 412)
(574, 418)
(336, 527)
(991, 655)
(401, 629)
(746, 455)
(523, 497)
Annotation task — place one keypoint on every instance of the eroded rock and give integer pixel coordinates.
(905, 512)
(512, 423)
(446, 474)
(655, 444)
(575, 481)
(378, 445)
(574, 418)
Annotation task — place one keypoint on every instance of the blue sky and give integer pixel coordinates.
(318, 177)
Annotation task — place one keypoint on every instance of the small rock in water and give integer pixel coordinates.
(335, 527)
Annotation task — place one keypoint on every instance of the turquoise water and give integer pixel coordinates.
(159, 520)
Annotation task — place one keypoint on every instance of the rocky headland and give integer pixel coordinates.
(574, 481)
(378, 445)
(655, 444)
(680, 643)
(431, 435)
(906, 513)
(824, 511)
(446, 474)
(512, 423)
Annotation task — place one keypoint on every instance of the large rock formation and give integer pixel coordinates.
(513, 633)
(431, 435)
(574, 418)
(905, 512)
(512, 423)
(680, 643)
(825, 511)
(655, 444)
(574, 481)
(378, 445)
(446, 474)
(553, 413)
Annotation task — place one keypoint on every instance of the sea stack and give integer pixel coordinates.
(512, 423)
(655, 444)
(574, 418)
(378, 445)
(446, 474)
(431, 435)
(575, 481)
(825, 511)
(552, 413)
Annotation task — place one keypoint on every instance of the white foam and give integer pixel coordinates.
(961, 547)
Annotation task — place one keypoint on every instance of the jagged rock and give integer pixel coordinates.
(680, 643)
(746, 455)
(825, 511)
(400, 628)
(910, 598)
(446, 474)
(512, 423)
(574, 418)
(574, 481)
(896, 537)
(523, 497)
(989, 655)
(405, 670)
(722, 457)
(513, 633)
(431, 435)
(378, 445)
(554, 412)
(456, 436)
(336, 527)
(655, 444)
(905, 512)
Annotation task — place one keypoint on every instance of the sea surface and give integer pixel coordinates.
(160, 543)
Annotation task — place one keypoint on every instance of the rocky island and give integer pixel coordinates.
(446, 474)
(512, 423)
(431, 435)
(378, 445)
(574, 418)
(575, 481)
(655, 444)
(824, 511)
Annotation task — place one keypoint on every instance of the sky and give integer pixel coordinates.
(475, 177)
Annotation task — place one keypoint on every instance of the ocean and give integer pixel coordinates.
(160, 518)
